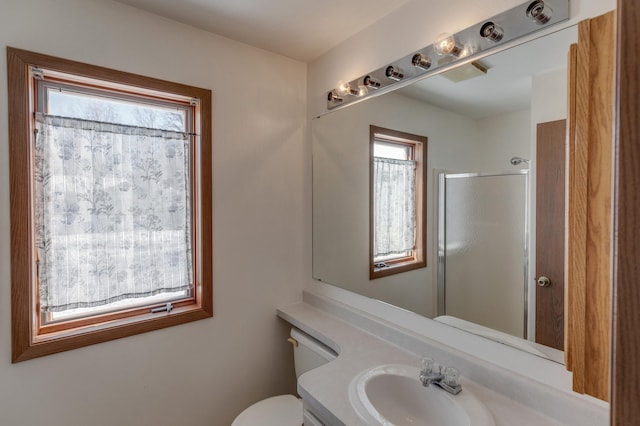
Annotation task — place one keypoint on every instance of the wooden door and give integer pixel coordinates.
(550, 184)
(625, 409)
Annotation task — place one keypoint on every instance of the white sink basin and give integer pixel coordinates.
(392, 395)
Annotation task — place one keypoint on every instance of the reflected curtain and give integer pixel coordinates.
(394, 190)
(113, 212)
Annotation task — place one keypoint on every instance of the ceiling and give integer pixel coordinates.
(299, 29)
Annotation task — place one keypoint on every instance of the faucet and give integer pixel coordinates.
(447, 379)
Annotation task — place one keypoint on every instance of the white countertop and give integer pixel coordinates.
(325, 389)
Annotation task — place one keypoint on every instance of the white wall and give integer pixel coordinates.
(549, 97)
(505, 136)
(202, 373)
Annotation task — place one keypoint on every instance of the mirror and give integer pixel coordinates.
(482, 154)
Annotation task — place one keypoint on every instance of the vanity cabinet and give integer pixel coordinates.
(311, 418)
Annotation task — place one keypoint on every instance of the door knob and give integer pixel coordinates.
(544, 281)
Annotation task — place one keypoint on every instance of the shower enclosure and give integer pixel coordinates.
(482, 249)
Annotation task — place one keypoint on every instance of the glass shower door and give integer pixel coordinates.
(482, 237)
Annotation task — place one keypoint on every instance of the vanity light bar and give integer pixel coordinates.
(520, 21)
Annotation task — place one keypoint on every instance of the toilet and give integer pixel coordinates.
(287, 410)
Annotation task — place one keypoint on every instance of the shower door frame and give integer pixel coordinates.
(441, 232)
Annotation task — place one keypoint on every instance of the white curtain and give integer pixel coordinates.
(394, 205)
(113, 212)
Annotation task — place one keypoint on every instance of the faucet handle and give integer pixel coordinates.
(451, 376)
(428, 365)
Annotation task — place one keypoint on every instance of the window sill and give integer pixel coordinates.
(60, 341)
(396, 268)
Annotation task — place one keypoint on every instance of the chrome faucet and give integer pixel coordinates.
(447, 379)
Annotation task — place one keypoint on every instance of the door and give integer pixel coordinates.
(550, 211)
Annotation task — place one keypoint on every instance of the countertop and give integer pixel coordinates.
(325, 389)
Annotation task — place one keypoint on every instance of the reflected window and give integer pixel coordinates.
(398, 202)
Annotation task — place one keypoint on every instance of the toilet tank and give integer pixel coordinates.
(309, 353)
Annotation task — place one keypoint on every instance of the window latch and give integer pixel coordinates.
(168, 307)
(37, 73)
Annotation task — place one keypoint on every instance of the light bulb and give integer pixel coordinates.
(446, 44)
(343, 88)
(362, 90)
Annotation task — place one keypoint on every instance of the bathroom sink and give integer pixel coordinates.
(392, 395)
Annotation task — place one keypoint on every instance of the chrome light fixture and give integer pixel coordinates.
(448, 49)
(539, 12)
(491, 31)
(421, 61)
(371, 82)
(394, 73)
(332, 96)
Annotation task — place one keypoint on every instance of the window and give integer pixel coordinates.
(110, 204)
(398, 202)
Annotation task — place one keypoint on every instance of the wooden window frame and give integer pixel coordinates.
(419, 147)
(28, 339)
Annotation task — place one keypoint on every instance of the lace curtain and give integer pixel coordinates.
(113, 212)
(394, 204)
